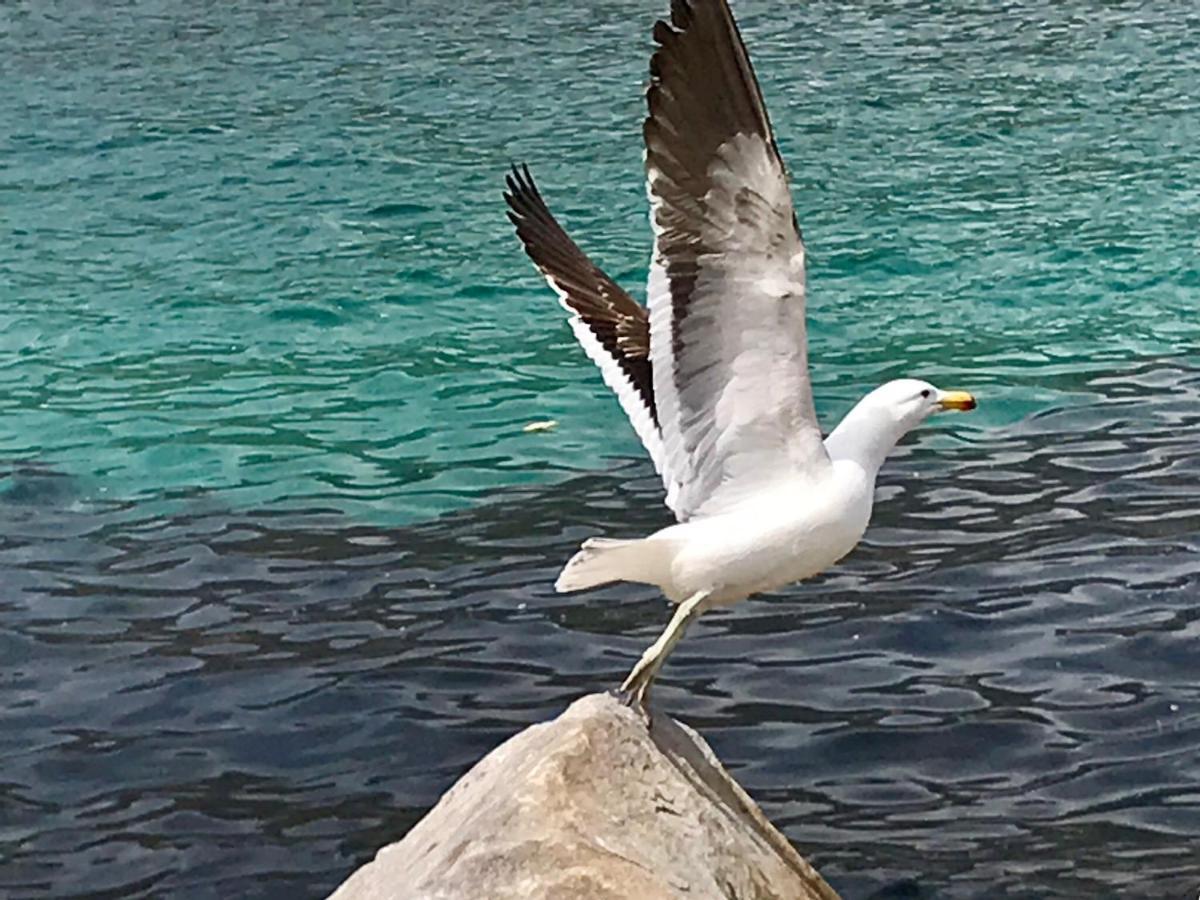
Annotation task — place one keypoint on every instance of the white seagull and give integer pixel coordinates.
(714, 375)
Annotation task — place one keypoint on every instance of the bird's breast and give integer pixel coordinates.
(785, 539)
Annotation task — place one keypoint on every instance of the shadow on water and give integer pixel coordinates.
(993, 697)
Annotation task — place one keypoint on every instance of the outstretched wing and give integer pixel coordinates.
(612, 327)
(726, 289)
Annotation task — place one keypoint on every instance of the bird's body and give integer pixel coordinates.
(713, 372)
(797, 530)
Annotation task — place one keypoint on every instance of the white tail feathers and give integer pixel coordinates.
(602, 560)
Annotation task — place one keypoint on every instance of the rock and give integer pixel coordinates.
(593, 806)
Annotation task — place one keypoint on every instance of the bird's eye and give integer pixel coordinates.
(925, 393)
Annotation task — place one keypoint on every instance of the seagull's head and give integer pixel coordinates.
(910, 402)
(884, 416)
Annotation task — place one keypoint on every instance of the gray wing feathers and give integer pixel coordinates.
(726, 289)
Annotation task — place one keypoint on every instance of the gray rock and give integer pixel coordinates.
(593, 806)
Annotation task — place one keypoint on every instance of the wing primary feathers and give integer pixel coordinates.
(613, 328)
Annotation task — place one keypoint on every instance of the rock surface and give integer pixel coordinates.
(593, 806)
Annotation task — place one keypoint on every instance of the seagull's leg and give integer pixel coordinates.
(636, 687)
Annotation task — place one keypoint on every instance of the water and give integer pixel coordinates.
(275, 553)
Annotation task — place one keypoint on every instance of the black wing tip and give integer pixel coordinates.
(522, 195)
(520, 172)
(682, 14)
(518, 177)
(668, 35)
(522, 192)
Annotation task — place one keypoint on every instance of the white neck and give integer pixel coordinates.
(865, 436)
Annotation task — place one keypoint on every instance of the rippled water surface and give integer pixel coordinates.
(276, 555)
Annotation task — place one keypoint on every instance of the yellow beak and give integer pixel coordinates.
(956, 400)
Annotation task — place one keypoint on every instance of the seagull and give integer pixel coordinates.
(713, 371)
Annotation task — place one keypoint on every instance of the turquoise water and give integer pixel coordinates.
(261, 252)
(276, 555)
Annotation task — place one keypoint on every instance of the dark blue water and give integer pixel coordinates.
(276, 555)
(994, 697)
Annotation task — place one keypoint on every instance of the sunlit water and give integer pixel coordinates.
(276, 555)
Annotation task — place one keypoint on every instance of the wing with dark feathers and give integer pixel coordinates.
(612, 327)
(726, 290)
